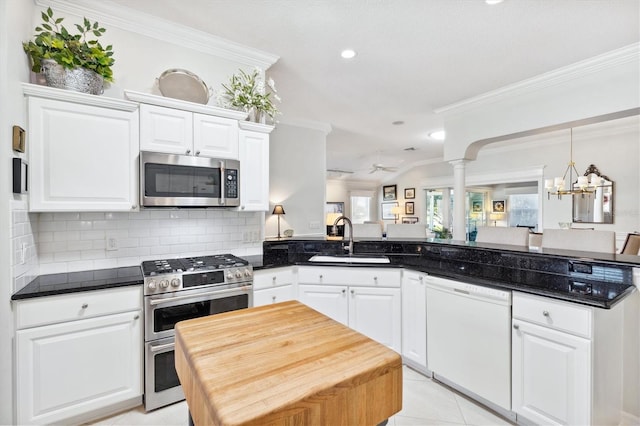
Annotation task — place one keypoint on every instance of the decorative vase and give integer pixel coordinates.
(78, 79)
(257, 116)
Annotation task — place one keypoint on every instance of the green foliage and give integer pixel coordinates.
(442, 233)
(53, 41)
(247, 91)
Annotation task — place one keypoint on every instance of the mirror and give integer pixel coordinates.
(595, 206)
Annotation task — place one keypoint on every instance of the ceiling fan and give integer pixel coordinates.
(379, 167)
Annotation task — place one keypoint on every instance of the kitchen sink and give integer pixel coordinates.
(345, 258)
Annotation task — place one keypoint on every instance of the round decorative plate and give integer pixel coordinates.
(182, 84)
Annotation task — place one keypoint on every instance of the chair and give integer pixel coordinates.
(367, 230)
(406, 230)
(503, 235)
(579, 239)
(631, 244)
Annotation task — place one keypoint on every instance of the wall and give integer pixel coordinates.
(297, 158)
(13, 69)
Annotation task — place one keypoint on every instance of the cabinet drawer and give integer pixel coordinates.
(352, 276)
(74, 306)
(272, 278)
(556, 314)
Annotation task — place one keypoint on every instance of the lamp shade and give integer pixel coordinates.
(396, 210)
(278, 209)
(331, 217)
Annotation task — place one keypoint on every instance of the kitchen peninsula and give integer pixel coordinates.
(297, 367)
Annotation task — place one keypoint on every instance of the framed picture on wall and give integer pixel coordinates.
(408, 207)
(334, 207)
(409, 219)
(409, 193)
(476, 206)
(386, 211)
(497, 206)
(389, 192)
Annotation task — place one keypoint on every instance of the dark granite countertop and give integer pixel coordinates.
(595, 279)
(73, 282)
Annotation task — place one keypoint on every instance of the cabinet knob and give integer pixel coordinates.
(133, 207)
(353, 291)
(545, 313)
(344, 291)
(197, 152)
(375, 278)
(273, 298)
(85, 306)
(516, 327)
(320, 276)
(136, 317)
(242, 208)
(188, 151)
(420, 278)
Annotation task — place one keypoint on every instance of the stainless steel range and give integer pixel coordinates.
(181, 289)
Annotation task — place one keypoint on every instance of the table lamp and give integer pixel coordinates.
(279, 210)
(396, 211)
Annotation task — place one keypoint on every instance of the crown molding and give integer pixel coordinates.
(614, 58)
(109, 13)
(39, 91)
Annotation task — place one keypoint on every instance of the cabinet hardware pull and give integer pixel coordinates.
(344, 291)
(273, 298)
(353, 292)
(197, 152)
(136, 317)
(545, 313)
(188, 151)
(320, 277)
(85, 306)
(133, 207)
(516, 326)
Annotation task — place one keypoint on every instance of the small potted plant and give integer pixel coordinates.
(70, 61)
(248, 92)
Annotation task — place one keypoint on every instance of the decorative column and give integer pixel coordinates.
(459, 191)
(446, 208)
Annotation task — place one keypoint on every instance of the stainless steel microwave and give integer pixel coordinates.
(172, 180)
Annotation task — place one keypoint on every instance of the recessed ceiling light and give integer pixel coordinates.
(438, 135)
(397, 122)
(348, 53)
(493, 1)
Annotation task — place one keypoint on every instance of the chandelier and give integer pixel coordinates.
(558, 185)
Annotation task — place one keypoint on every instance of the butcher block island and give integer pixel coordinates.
(284, 364)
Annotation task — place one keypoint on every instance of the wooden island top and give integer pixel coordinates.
(284, 364)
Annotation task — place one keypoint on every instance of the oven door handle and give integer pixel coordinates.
(154, 302)
(158, 348)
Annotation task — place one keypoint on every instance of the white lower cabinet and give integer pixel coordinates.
(566, 362)
(414, 319)
(74, 370)
(367, 300)
(273, 286)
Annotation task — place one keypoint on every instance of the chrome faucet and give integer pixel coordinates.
(334, 230)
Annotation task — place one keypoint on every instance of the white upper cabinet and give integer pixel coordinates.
(254, 170)
(83, 151)
(179, 127)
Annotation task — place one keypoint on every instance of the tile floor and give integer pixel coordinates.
(425, 402)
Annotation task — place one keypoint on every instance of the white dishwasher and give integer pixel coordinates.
(469, 339)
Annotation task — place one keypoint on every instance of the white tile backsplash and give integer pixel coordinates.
(67, 242)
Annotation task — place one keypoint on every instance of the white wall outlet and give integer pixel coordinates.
(314, 224)
(23, 253)
(112, 243)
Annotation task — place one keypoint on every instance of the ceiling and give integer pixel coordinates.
(413, 57)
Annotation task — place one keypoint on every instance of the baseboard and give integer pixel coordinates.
(627, 419)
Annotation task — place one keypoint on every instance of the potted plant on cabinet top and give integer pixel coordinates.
(70, 61)
(248, 92)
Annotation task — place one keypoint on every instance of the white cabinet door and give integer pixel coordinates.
(551, 375)
(166, 130)
(268, 296)
(73, 368)
(414, 319)
(215, 137)
(330, 300)
(82, 157)
(254, 171)
(376, 313)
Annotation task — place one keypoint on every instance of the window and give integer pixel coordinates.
(361, 206)
(523, 210)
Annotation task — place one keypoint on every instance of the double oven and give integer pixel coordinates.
(181, 289)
